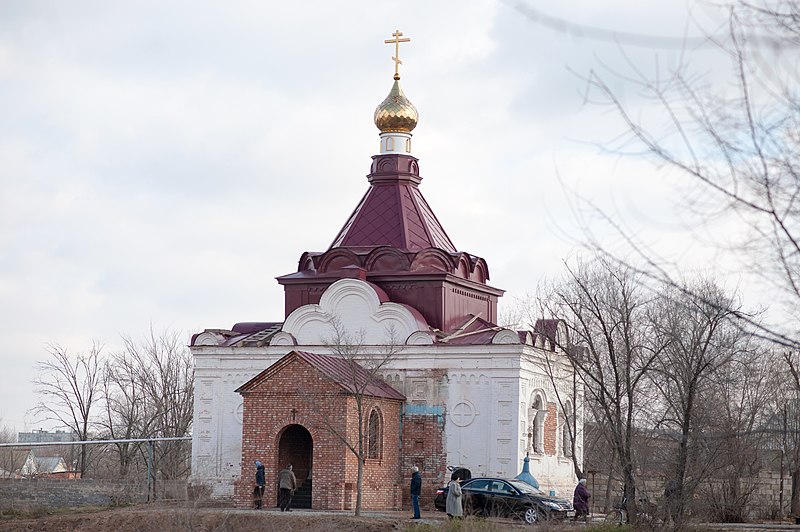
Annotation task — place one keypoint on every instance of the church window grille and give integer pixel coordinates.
(374, 436)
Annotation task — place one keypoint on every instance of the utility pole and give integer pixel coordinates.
(783, 453)
(149, 469)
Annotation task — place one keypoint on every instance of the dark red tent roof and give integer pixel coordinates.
(393, 212)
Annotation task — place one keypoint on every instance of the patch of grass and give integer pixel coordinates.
(35, 513)
(610, 527)
(14, 513)
(469, 524)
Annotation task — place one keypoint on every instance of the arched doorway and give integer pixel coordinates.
(297, 448)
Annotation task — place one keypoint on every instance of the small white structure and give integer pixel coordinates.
(42, 465)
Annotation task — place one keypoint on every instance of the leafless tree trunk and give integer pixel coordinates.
(70, 391)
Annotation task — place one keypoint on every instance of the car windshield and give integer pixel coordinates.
(524, 487)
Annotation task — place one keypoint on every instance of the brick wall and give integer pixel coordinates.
(763, 503)
(299, 395)
(551, 430)
(381, 480)
(423, 446)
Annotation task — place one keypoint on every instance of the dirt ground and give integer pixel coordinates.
(150, 518)
(155, 518)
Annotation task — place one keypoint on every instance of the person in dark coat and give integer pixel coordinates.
(258, 491)
(581, 500)
(287, 483)
(670, 501)
(416, 490)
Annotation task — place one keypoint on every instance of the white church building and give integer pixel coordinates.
(457, 389)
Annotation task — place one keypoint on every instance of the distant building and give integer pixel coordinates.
(36, 466)
(8, 474)
(43, 436)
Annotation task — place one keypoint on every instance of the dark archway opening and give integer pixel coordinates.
(297, 448)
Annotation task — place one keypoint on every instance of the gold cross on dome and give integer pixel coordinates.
(396, 58)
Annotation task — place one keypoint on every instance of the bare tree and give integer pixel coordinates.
(143, 391)
(734, 136)
(69, 388)
(9, 459)
(791, 414)
(605, 312)
(734, 412)
(126, 413)
(164, 373)
(703, 337)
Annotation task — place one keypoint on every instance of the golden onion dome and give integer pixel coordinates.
(396, 113)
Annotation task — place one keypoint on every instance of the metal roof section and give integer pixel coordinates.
(346, 373)
(251, 334)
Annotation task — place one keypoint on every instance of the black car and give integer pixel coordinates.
(507, 498)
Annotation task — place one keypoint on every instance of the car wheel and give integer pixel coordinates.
(531, 515)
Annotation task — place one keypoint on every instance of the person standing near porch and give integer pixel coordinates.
(287, 483)
(258, 492)
(416, 490)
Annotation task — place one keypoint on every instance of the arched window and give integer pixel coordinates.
(536, 415)
(566, 426)
(374, 435)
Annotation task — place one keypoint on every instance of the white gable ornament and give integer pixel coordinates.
(358, 309)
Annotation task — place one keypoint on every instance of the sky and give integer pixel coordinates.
(161, 162)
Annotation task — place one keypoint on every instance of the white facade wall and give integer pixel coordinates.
(485, 391)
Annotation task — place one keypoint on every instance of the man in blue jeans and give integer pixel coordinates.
(416, 489)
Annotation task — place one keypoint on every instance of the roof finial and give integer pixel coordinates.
(396, 58)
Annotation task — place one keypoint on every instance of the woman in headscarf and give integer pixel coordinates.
(453, 505)
(581, 500)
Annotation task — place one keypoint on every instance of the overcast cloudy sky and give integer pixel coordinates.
(162, 162)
